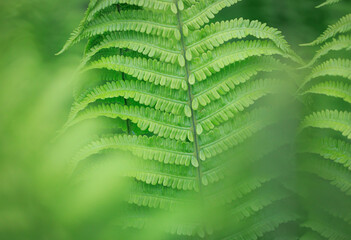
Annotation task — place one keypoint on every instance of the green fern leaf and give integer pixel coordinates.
(333, 89)
(148, 70)
(130, 20)
(333, 119)
(340, 43)
(150, 148)
(328, 2)
(335, 173)
(232, 133)
(311, 235)
(342, 26)
(145, 195)
(234, 102)
(321, 223)
(230, 53)
(215, 34)
(162, 124)
(137, 90)
(332, 67)
(223, 82)
(156, 56)
(153, 46)
(201, 12)
(168, 175)
(333, 149)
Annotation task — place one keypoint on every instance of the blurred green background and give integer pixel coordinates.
(35, 96)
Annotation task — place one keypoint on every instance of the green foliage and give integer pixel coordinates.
(325, 154)
(190, 90)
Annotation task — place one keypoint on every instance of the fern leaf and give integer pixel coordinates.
(232, 133)
(157, 58)
(335, 173)
(201, 12)
(148, 70)
(333, 149)
(234, 102)
(129, 20)
(215, 34)
(333, 67)
(328, 2)
(342, 26)
(212, 62)
(333, 89)
(166, 50)
(162, 124)
(149, 148)
(311, 235)
(332, 119)
(78, 31)
(139, 91)
(147, 195)
(321, 223)
(257, 200)
(226, 80)
(247, 185)
(150, 4)
(177, 177)
(265, 222)
(342, 42)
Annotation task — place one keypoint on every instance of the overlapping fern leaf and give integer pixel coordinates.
(188, 89)
(325, 152)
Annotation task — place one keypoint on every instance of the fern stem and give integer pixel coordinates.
(190, 101)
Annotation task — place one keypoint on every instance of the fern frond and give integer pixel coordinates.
(226, 80)
(342, 26)
(78, 31)
(340, 43)
(168, 175)
(144, 69)
(142, 92)
(332, 67)
(149, 148)
(147, 195)
(150, 4)
(255, 226)
(231, 133)
(234, 102)
(335, 173)
(156, 56)
(244, 186)
(230, 53)
(257, 200)
(215, 34)
(330, 148)
(204, 10)
(328, 226)
(166, 50)
(328, 2)
(333, 89)
(332, 119)
(163, 124)
(155, 23)
(312, 235)
(139, 219)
